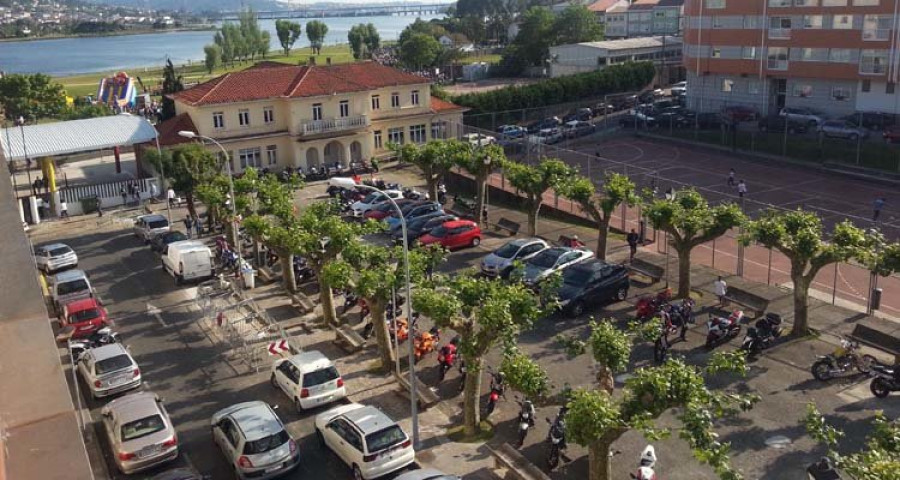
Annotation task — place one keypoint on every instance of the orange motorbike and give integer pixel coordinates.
(426, 342)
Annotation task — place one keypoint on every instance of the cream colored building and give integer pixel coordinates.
(275, 115)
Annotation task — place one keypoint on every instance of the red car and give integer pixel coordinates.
(891, 134)
(84, 317)
(738, 113)
(454, 234)
(386, 209)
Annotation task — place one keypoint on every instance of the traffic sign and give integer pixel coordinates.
(276, 348)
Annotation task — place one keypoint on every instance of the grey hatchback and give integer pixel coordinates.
(254, 441)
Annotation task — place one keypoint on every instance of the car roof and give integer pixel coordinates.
(425, 474)
(83, 304)
(109, 351)
(134, 406)
(592, 265)
(152, 218)
(557, 251)
(69, 276)
(53, 246)
(188, 245)
(256, 420)
(310, 361)
(457, 223)
(369, 419)
(521, 242)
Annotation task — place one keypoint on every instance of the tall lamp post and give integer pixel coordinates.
(413, 396)
(21, 123)
(234, 233)
(162, 175)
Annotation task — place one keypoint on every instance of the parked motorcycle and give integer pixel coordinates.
(884, 380)
(103, 336)
(682, 315)
(646, 470)
(462, 374)
(497, 390)
(350, 299)
(414, 195)
(302, 272)
(648, 307)
(447, 357)
(556, 438)
(721, 329)
(525, 419)
(426, 342)
(842, 360)
(761, 336)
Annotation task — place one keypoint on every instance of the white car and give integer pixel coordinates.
(140, 432)
(478, 140)
(372, 200)
(369, 442)
(547, 136)
(309, 379)
(55, 257)
(548, 261)
(146, 226)
(109, 370)
(254, 441)
(500, 261)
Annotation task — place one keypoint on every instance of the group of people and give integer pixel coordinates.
(193, 222)
(740, 185)
(130, 190)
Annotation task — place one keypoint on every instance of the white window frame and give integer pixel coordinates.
(817, 25)
(414, 97)
(713, 4)
(395, 135)
(834, 3)
(271, 155)
(878, 33)
(753, 50)
(244, 117)
(395, 100)
(418, 134)
(715, 52)
(344, 108)
(218, 120)
(317, 112)
(378, 140)
(840, 55)
(866, 3)
(779, 3)
(439, 130)
(780, 27)
(806, 3)
(268, 115)
(842, 26)
(376, 102)
(250, 157)
(878, 67)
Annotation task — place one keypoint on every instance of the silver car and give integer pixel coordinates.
(140, 432)
(427, 474)
(55, 257)
(500, 261)
(842, 129)
(254, 441)
(109, 370)
(146, 226)
(549, 261)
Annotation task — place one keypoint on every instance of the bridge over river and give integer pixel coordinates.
(359, 11)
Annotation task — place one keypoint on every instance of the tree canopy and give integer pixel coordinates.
(878, 459)
(577, 24)
(172, 83)
(617, 190)
(534, 181)
(364, 39)
(420, 50)
(186, 167)
(288, 33)
(315, 33)
(31, 96)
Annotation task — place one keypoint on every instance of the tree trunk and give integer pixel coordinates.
(599, 461)
(472, 395)
(533, 212)
(684, 273)
(480, 190)
(287, 272)
(432, 185)
(189, 197)
(605, 379)
(326, 298)
(801, 306)
(385, 347)
(603, 236)
(257, 253)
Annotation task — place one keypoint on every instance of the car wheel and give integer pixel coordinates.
(178, 280)
(297, 405)
(476, 241)
(357, 474)
(576, 309)
(273, 381)
(320, 438)
(622, 294)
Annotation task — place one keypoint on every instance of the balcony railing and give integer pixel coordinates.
(782, 33)
(334, 125)
(777, 64)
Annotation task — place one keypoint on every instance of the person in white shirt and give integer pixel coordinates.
(741, 188)
(721, 289)
(170, 195)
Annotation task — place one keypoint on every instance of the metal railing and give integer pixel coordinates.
(335, 125)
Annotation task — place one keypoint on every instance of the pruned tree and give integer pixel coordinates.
(364, 40)
(376, 273)
(187, 167)
(172, 83)
(534, 181)
(879, 459)
(480, 162)
(315, 32)
(799, 235)
(213, 57)
(434, 159)
(485, 313)
(690, 221)
(617, 190)
(524, 375)
(288, 33)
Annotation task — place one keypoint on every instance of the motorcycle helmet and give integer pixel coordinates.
(455, 340)
(499, 377)
(645, 473)
(648, 457)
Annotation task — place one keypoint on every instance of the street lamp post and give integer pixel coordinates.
(234, 233)
(21, 122)
(413, 396)
(162, 175)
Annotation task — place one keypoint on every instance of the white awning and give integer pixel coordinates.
(62, 138)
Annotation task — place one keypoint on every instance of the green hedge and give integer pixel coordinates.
(615, 79)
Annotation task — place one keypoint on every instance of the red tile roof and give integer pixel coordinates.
(273, 80)
(168, 130)
(438, 105)
(601, 5)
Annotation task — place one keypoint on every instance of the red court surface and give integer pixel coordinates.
(769, 184)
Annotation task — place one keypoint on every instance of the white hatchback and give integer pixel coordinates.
(309, 379)
(109, 370)
(372, 200)
(366, 439)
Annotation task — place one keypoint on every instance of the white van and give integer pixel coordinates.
(188, 260)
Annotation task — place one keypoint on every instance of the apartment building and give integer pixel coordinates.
(644, 18)
(274, 115)
(837, 56)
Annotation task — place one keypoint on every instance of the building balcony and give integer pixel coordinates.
(773, 64)
(334, 125)
(780, 33)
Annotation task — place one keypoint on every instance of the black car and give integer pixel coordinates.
(590, 283)
(709, 121)
(871, 120)
(418, 228)
(415, 221)
(777, 123)
(633, 121)
(159, 242)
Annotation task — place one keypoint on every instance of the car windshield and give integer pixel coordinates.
(175, 237)
(143, 427)
(576, 276)
(84, 315)
(545, 260)
(382, 439)
(72, 287)
(319, 377)
(112, 364)
(158, 224)
(438, 232)
(58, 252)
(372, 197)
(266, 444)
(507, 251)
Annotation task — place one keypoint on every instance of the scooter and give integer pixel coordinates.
(525, 419)
(350, 299)
(497, 390)
(844, 359)
(648, 462)
(446, 358)
(302, 272)
(104, 336)
(648, 307)
(722, 329)
(426, 342)
(761, 336)
(884, 381)
(556, 438)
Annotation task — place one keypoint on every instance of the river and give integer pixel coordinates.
(69, 56)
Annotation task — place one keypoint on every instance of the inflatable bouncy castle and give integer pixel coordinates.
(118, 90)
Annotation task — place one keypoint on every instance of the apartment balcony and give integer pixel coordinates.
(334, 125)
(773, 64)
(780, 33)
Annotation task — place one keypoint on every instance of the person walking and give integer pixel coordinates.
(188, 223)
(633, 239)
(731, 178)
(124, 195)
(877, 206)
(63, 209)
(198, 226)
(742, 189)
(36, 186)
(170, 196)
(374, 164)
(721, 289)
